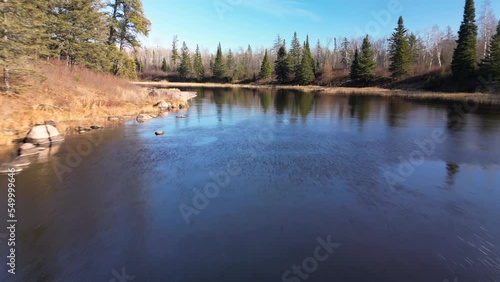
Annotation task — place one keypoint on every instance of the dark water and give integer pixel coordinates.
(282, 172)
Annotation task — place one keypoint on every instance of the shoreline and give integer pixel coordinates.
(375, 91)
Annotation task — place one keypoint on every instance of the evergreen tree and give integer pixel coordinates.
(491, 64)
(230, 64)
(185, 67)
(22, 35)
(306, 70)
(219, 68)
(199, 69)
(175, 52)
(362, 70)
(400, 53)
(355, 67)
(128, 22)
(464, 64)
(266, 70)
(164, 66)
(281, 65)
(294, 56)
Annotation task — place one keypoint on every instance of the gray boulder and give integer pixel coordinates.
(143, 118)
(43, 134)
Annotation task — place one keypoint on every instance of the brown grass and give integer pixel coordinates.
(71, 96)
(478, 97)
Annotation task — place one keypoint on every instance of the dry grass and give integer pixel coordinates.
(478, 97)
(71, 96)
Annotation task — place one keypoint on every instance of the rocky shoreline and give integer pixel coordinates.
(42, 137)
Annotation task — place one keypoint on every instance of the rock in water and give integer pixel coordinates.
(43, 134)
(164, 106)
(143, 118)
(159, 133)
(181, 116)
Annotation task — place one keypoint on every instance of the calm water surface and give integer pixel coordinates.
(281, 170)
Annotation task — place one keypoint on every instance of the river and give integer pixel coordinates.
(268, 186)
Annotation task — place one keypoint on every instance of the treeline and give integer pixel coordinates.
(89, 33)
(402, 55)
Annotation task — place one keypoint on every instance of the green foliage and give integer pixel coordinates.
(295, 55)
(164, 65)
(306, 74)
(128, 22)
(185, 67)
(281, 65)
(231, 65)
(199, 69)
(464, 64)
(491, 64)
(355, 66)
(175, 52)
(266, 70)
(219, 67)
(363, 65)
(401, 57)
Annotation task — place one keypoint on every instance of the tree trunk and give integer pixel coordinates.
(6, 79)
(111, 40)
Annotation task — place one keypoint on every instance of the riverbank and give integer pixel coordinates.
(70, 96)
(376, 91)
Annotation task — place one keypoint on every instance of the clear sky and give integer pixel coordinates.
(237, 23)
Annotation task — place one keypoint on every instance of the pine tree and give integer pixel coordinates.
(164, 66)
(175, 52)
(491, 64)
(464, 64)
(23, 35)
(281, 65)
(366, 64)
(199, 69)
(295, 55)
(266, 70)
(306, 70)
(219, 68)
(400, 52)
(355, 67)
(185, 67)
(128, 22)
(230, 63)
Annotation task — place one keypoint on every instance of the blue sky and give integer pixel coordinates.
(237, 23)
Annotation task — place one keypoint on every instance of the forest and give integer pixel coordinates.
(104, 36)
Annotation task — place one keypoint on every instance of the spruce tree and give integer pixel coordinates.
(266, 70)
(306, 70)
(281, 65)
(164, 66)
(366, 63)
(219, 68)
(199, 69)
(185, 67)
(230, 63)
(491, 64)
(400, 53)
(464, 64)
(295, 54)
(355, 67)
